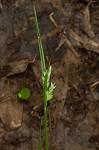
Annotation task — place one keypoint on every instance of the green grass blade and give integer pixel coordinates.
(43, 76)
(48, 87)
(40, 43)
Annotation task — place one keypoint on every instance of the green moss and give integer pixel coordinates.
(24, 94)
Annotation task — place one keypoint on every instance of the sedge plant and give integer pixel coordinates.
(48, 86)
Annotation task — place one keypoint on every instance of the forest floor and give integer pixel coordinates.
(70, 35)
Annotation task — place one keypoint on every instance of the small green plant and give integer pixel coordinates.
(24, 94)
(48, 86)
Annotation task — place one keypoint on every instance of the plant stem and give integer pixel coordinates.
(45, 115)
(44, 83)
(45, 126)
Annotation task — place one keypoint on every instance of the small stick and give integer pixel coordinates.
(68, 43)
(94, 84)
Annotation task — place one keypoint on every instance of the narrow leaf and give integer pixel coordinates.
(39, 42)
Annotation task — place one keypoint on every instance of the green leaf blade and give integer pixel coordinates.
(39, 42)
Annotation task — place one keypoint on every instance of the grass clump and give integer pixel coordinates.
(48, 86)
